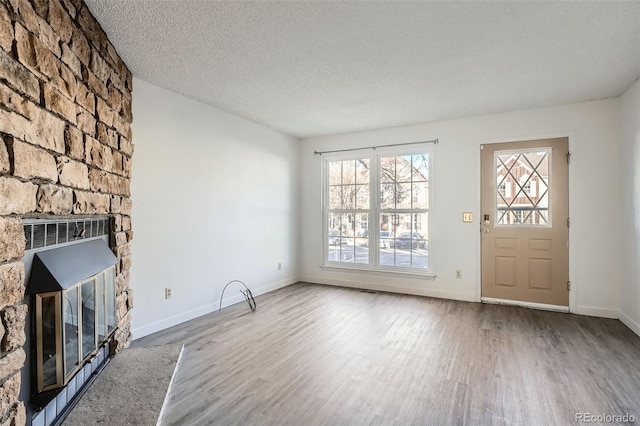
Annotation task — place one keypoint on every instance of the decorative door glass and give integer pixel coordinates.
(523, 178)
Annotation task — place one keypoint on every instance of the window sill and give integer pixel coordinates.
(363, 269)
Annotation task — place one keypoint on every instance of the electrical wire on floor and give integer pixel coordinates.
(248, 296)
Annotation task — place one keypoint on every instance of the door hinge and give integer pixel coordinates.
(568, 222)
(568, 285)
(568, 158)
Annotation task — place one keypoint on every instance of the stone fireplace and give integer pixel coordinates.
(65, 158)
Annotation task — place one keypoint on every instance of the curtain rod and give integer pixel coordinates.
(434, 141)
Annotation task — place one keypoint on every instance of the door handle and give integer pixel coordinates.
(486, 224)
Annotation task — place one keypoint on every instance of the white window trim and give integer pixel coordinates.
(374, 266)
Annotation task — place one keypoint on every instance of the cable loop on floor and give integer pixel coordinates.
(248, 296)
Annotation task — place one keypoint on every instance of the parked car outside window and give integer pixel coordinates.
(385, 241)
(410, 240)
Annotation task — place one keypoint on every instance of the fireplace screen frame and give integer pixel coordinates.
(71, 337)
(40, 346)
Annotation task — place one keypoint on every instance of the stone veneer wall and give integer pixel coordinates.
(65, 149)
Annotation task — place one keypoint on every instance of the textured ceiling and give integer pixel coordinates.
(318, 68)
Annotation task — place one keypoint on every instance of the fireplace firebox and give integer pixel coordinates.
(74, 308)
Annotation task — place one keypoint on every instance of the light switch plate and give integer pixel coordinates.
(467, 217)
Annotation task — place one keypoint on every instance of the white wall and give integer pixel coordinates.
(214, 200)
(593, 131)
(630, 211)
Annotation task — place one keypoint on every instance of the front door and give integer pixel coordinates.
(525, 221)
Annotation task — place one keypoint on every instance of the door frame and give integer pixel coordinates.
(479, 142)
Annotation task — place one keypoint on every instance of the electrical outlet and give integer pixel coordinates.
(458, 274)
(167, 293)
(279, 266)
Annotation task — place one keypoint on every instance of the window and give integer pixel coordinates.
(348, 217)
(504, 187)
(527, 183)
(528, 170)
(376, 212)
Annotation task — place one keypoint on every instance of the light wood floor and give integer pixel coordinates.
(316, 354)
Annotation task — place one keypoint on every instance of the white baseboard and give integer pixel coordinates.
(531, 305)
(597, 312)
(626, 320)
(428, 292)
(154, 327)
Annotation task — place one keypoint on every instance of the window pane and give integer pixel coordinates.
(361, 246)
(344, 193)
(335, 197)
(335, 172)
(386, 222)
(522, 178)
(334, 253)
(362, 225)
(404, 223)
(348, 238)
(400, 238)
(387, 170)
(420, 168)
(408, 246)
(420, 195)
(387, 196)
(362, 171)
(362, 197)
(403, 168)
(348, 172)
(349, 192)
(349, 197)
(385, 239)
(403, 195)
(403, 236)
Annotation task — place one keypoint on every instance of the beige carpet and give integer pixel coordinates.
(131, 389)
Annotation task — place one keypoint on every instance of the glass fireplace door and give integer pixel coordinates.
(71, 317)
(72, 290)
(71, 325)
(49, 366)
(88, 306)
(110, 298)
(101, 324)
